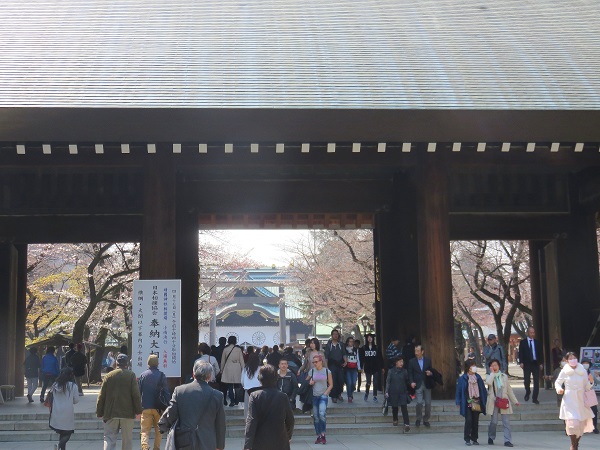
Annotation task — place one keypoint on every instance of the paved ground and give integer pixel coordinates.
(447, 441)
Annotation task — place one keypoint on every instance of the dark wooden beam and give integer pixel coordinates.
(508, 226)
(70, 229)
(299, 125)
(294, 196)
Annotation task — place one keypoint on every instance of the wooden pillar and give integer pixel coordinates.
(157, 257)
(395, 248)
(8, 313)
(169, 247)
(437, 319)
(573, 283)
(188, 271)
(543, 303)
(21, 318)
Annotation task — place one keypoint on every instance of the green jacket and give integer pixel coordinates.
(119, 396)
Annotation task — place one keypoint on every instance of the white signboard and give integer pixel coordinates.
(593, 354)
(156, 320)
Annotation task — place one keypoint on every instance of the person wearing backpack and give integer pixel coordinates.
(334, 353)
(151, 382)
(321, 382)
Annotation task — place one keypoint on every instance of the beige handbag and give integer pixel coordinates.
(589, 398)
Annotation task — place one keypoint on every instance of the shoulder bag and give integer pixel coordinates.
(163, 399)
(239, 392)
(501, 403)
(222, 368)
(170, 444)
(589, 398)
(49, 398)
(386, 407)
(475, 405)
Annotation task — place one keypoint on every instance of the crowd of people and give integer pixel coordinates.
(270, 381)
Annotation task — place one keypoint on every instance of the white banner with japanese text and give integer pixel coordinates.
(156, 320)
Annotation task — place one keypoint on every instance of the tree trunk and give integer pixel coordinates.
(79, 327)
(96, 369)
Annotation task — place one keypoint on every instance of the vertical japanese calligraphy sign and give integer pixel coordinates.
(156, 318)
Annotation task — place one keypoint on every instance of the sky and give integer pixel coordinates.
(264, 246)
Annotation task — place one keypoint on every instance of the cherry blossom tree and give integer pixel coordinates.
(491, 285)
(335, 272)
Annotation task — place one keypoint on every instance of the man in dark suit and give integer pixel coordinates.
(200, 411)
(419, 370)
(531, 357)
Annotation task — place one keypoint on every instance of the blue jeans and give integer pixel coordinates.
(320, 413)
(351, 376)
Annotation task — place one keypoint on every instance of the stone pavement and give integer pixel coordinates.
(446, 441)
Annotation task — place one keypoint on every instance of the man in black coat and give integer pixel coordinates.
(270, 421)
(78, 361)
(218, 353)
(419, 377)
(531, 357)
(66, 362)
(32, 372)
(274, 357)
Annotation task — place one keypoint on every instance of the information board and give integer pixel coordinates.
(156, 325)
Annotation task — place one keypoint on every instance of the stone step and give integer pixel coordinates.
(88, 421)
(299, 430)
(357, 409)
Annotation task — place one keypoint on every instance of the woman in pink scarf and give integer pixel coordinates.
(471, 397)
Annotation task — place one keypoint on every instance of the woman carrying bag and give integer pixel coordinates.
(577, 416)
(62, 412)
(499, 402)
(471, 395)
(232, 364)
(322, 383)
(396, 393)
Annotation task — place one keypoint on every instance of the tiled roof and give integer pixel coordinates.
(363, 54)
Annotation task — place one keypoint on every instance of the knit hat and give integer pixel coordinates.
(153, 360)
(122, 359)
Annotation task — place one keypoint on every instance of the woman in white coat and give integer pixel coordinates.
(62, 413)
(499, 387)
(577, 416)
